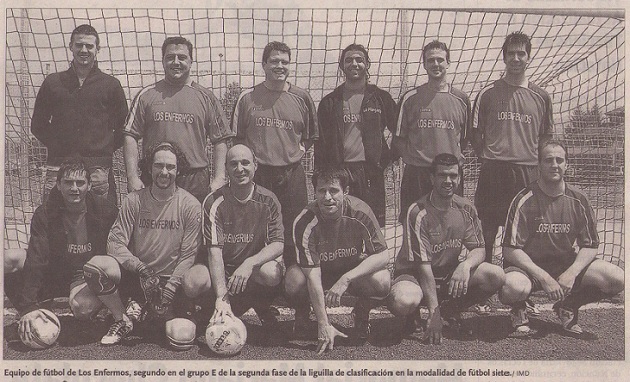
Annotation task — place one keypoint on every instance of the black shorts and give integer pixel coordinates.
(441, 282)
(416, 182)
(499, 182)
(554, 271)
(288, 183)
(367, 182)
(196, 181)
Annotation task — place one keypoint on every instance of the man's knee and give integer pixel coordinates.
(377, 284)
(84, 304)
(269, 274)
(14, 259)
(196, 281)
(608, 277)
(102, 274)
(404, 298)
(294, 281)
(517, 287)
(492, 277)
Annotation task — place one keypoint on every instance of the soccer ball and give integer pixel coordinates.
(180, 333)
(226, 338)
(45, 334)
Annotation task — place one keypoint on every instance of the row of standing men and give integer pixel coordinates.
(278, 122)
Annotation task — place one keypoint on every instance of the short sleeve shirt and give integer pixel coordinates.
(432, 122)
(275, 123)
(185, 115)
(241, 229)
(340, 245)
(512, 120)
(439, 237)
(548, 228)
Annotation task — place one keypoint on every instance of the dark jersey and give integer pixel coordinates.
(337, 246)
(439, 237)
(241, 229)
(548, 228)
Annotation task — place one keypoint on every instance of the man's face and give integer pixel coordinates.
(435, 63)
(516, 59)
(73, 187)
(355, 65)
(240, 166)
(164, 169)
(329, 197)
(553, 164)
(176, 62)
(277, 66)
(84, 50)
(445, 180)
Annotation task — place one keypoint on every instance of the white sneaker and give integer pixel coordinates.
(532, 309)
(119, 330)
(568, 319)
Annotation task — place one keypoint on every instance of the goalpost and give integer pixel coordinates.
(577, 56)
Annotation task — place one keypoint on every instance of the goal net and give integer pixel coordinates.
(577, 56)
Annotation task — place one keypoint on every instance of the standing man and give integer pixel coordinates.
(441, 263)
(352, 120)
(546, 222)
(179, 110)
(278, 121)
(340, 248)
(66, 231)
(81, 112)
(244, 237)
(151, 245)
(512, 117)
(432, 119)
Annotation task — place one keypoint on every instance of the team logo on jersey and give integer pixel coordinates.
(371, 109)
(338, 253)
(435, 124)
(514, 116)
(452, 243)
(79, 248)
(553, 228)
(168, 116)
(236, 238)
(274, 122)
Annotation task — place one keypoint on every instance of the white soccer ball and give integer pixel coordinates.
(226, 338)
(181, 333)
(45, 333)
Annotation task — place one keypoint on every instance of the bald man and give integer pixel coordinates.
(244, 237)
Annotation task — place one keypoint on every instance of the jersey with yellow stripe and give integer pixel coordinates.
(339, 245)
(186, 115)
(241, 229)
(512, 119)
(275, 123)
(441, 237)
(432, 122)
(548, 228)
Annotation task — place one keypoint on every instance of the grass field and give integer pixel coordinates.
(485, 338)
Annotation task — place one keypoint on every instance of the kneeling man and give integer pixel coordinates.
(150, 247)
(66, 231)
(339, 247)
(441, 262)
(545, 222)
(243, 233)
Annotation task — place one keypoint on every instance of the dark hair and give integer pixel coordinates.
(147, 162)
(275, 45)
(177, 40)
(75, 164)
(552, 142)
(329, 174)
(354, 46)
(517, 38)
(444, 159)
(435, 44)
(85, 29)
